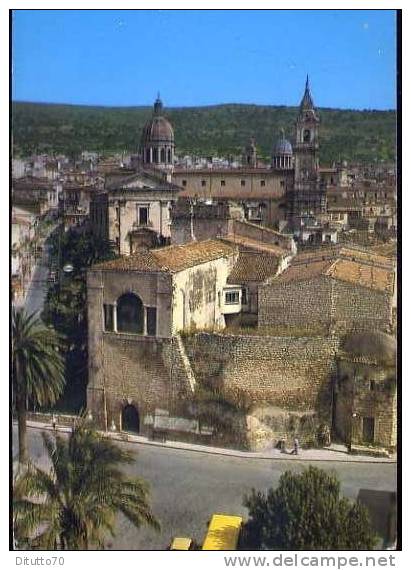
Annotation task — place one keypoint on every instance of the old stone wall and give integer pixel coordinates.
(356, 307)
(296, 304)
(366, 391)
(323, 302)
(269, 373)
(146, 372)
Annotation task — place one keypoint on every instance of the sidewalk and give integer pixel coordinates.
(334, 453)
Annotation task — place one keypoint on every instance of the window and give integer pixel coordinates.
(151, 321)
(184, 183)
(232, 297)
(130, 313)
(143, 216)
(282, 183)
(306, 135)
(108, 317)
(242, 182)
(262, 182)
(203, 183)
(244, 296)
(223, 183)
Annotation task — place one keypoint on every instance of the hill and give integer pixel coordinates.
(220, 130)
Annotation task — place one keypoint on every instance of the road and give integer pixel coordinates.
(187, 487)
(38, 287)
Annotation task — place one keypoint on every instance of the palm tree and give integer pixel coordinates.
(37, 368)
(74, 505)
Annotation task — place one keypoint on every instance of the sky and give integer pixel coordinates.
(205, 57)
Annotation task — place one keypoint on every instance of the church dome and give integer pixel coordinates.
(158, 128)
(282, 146)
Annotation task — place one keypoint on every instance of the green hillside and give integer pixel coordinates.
(220, 129)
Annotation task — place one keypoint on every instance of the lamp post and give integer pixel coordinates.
(352, 419)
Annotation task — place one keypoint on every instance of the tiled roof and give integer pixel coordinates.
(141, 261)
(253, 266)
(303, 272)
(360, 274)
(170, 259)
(345, 270)
(361, 255)
(248, 243)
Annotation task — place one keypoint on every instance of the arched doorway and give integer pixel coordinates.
(130, 419)
(130, 314)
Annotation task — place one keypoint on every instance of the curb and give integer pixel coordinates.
(226, 453)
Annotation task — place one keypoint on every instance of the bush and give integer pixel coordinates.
(306, 512)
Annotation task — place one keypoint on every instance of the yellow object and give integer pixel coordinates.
(223, 532)
(181, 544)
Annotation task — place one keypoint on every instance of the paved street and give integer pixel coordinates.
(38, 286)
(187, 487)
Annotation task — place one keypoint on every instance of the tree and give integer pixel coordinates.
(37, 368)
(306, 512)
(74, 505)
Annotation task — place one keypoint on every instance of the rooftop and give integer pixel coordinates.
(171, 259)
(353, 253)
(253, 266)
(252, 244)
(354, 272)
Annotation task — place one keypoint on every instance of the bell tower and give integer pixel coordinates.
(308, 197)
(306, 139)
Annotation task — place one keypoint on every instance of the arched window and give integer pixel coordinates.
(148, 155)
(155, 155)
(307, 135)
(169, 156)
(163, 156)
(130, 314)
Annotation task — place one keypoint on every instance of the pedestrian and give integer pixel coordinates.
(54, 422)
(282, 445)
(296, 447)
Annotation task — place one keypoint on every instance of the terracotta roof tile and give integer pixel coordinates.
(253, 266)
(354, 272)
(171, 259)
(360, 274)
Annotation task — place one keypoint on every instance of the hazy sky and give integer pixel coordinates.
(204, 57)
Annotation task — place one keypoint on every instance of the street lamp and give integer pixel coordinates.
(353, 416)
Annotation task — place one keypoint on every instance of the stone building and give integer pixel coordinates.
(136, 305)
(133, 210)
(339, 289)
(365, 391)
(259, 191)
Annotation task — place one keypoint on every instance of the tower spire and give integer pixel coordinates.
(307, 102)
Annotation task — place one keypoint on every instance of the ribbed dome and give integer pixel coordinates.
(157, 129)
(282, 146)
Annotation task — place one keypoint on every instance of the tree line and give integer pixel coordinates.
(222, 130)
